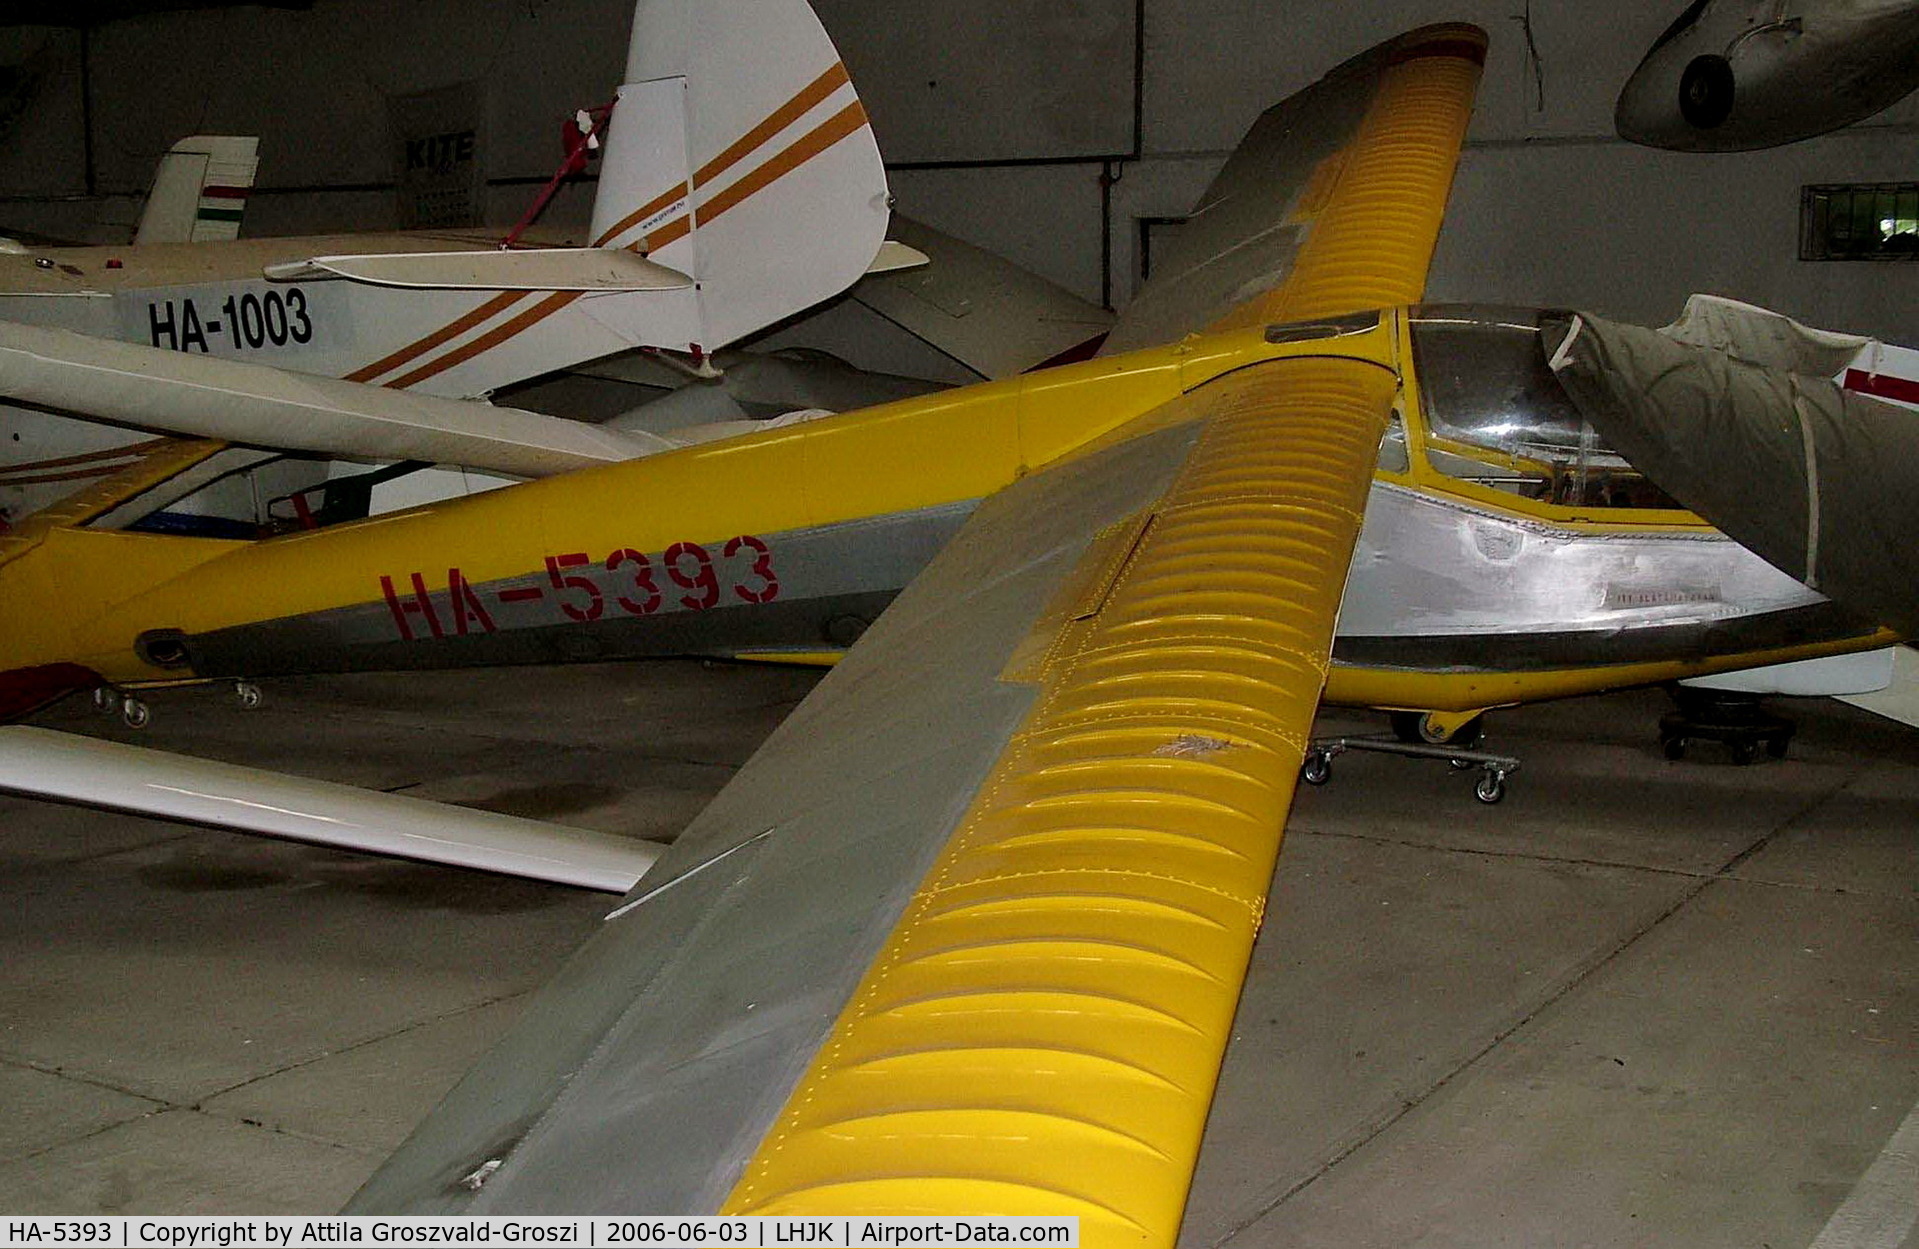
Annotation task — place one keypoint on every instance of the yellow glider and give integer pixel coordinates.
(967, 933)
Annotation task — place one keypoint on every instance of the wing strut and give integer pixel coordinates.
(175, 787)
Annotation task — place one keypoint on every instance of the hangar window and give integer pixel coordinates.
(1497, 417)
(1859, 221)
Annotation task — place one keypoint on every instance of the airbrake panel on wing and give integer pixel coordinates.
(990, 315)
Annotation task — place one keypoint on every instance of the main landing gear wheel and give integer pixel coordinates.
(1426, 728)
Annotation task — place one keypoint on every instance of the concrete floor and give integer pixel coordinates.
(1638, 1003)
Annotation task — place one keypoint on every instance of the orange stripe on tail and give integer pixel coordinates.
(847, 121)
(779, 119)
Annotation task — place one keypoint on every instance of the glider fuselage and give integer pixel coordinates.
(212, 300)
(1504, 556)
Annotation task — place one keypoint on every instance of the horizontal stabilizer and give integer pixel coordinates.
(98, 773)
(1836, 676)
(989, 314)
(1900, 699)
(555, 269)
(895, 256)
(207, 397)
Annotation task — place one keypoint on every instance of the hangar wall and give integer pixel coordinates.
(1002, 119)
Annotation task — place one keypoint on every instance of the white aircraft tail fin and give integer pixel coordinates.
(200, 190)
(739, 153)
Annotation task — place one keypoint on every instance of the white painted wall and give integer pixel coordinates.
(1549, 207)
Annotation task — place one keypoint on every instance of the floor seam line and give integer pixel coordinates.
(289, 1133)
(1650, 869)
(103, 1129)
(86, 1078)
(200, 1103)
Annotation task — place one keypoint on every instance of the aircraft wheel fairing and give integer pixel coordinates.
(1706, 92)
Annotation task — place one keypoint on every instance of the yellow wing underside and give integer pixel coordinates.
(1374, 227)
(159, 461)
(1042, 1032)
(1331, 205)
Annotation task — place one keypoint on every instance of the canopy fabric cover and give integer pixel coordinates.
(1821, 482)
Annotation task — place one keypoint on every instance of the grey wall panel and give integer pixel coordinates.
(1043, 218)
(1240, 54)
(40, 153)
(1004, 80)
(314, 85)
(1630, 232)
(1550, 206)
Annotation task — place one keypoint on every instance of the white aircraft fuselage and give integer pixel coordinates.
(1736, 75)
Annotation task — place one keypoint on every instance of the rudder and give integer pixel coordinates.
(200, 190)
(739, 153)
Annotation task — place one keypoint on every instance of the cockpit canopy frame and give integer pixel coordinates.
(1489, 422)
